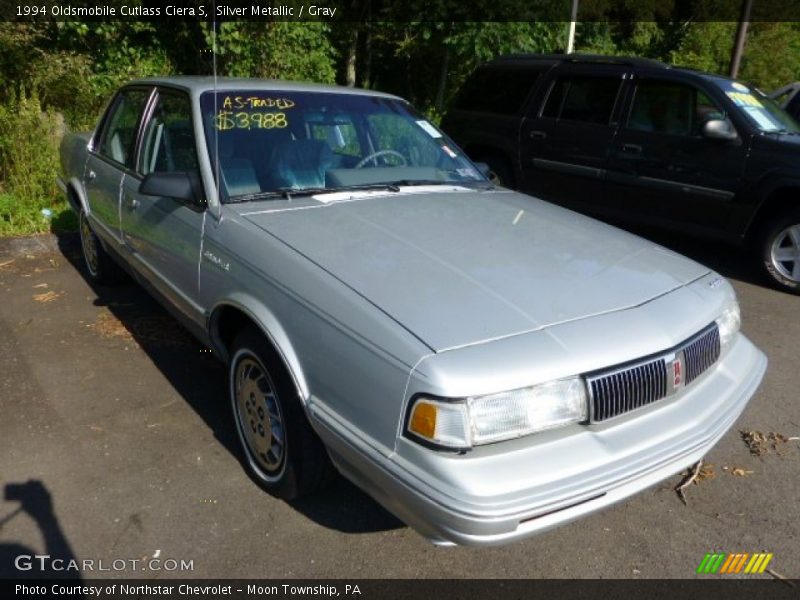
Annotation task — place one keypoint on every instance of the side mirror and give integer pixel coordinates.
(181, 186)
(485, 169)
(719, 129)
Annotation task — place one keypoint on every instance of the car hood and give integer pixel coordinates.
(457, 268)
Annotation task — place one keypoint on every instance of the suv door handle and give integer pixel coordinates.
(538, 135)
(132, 203)
(632, 148)
(90, 176)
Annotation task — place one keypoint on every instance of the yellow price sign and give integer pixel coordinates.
(227, 119)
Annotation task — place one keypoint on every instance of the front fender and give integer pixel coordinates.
(269, 324)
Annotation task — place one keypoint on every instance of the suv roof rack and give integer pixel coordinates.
(587, 58)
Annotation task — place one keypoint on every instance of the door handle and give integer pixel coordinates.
(538, 135)
(632, 148)
(90, 176)
(132, 203)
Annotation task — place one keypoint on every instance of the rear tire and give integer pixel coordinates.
(779, 251)
(281, 451)
(100, 267)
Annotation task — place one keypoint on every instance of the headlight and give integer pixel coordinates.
(467, 422)
(728, 323)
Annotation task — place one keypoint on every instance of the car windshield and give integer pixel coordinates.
(274, 143)
(762, 112)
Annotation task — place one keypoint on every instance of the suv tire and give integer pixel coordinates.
(779, 250)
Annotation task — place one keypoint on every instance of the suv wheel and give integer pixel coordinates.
(780, 251)
(99, 265)
(281, 451)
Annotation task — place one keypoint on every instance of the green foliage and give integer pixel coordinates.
(772, 55)
(275, 50)
(706, 46)
(59, 75)
(29, 138)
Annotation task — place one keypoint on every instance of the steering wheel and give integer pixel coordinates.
(374, 155)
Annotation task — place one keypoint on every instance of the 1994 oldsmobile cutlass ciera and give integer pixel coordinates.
(485, 364)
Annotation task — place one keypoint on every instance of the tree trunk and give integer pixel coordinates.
(352, 52)
(442, 80)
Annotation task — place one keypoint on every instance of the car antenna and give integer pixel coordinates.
(216, 108)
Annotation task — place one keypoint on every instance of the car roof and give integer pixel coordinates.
(599, 59)
(198, 84)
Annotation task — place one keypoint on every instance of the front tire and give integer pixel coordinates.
(779, 246)
(281, 451)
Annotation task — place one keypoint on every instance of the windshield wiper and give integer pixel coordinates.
(289, 193)
(482, 185)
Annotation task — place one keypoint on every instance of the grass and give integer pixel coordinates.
(26, 218)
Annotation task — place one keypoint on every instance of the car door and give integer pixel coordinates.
(111, 155)
(163, 234)
(662, 169)
(565, 137)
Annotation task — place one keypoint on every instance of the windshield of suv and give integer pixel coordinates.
(274, 143)
(762, 112)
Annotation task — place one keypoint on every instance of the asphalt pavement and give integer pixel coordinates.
(116, 444)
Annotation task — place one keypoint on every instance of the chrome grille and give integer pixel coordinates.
(701, 353)
(619, 390)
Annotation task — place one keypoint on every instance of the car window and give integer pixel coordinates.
(169, 143)
(391, 132)
(119, 138)
(339, 134)
(585, 99)
(496, 90)
(269, 141)
(671, 108)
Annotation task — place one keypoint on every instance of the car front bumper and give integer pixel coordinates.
(494, 495)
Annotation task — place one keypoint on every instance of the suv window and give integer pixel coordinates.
(496, 90)
(119, 137)
(169, 138)
(586, 99)
(671, 108)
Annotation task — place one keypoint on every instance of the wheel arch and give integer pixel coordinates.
(781, 197)
(230, 316)
(76, 196)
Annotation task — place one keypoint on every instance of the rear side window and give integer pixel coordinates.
(119, 137)
(497, 90)
(585, 99)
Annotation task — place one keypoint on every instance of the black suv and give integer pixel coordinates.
(638, 140)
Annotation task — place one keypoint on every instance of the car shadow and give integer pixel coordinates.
(200, 379)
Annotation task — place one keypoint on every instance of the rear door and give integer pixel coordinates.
(111, 156)
(566, 135)
(164, 234)
(662, 169)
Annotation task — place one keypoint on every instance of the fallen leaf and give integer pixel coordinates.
(760, 443)
(740, 472)
(46, 297)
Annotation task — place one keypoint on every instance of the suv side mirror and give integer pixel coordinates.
(181, 186)
(719, 129)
